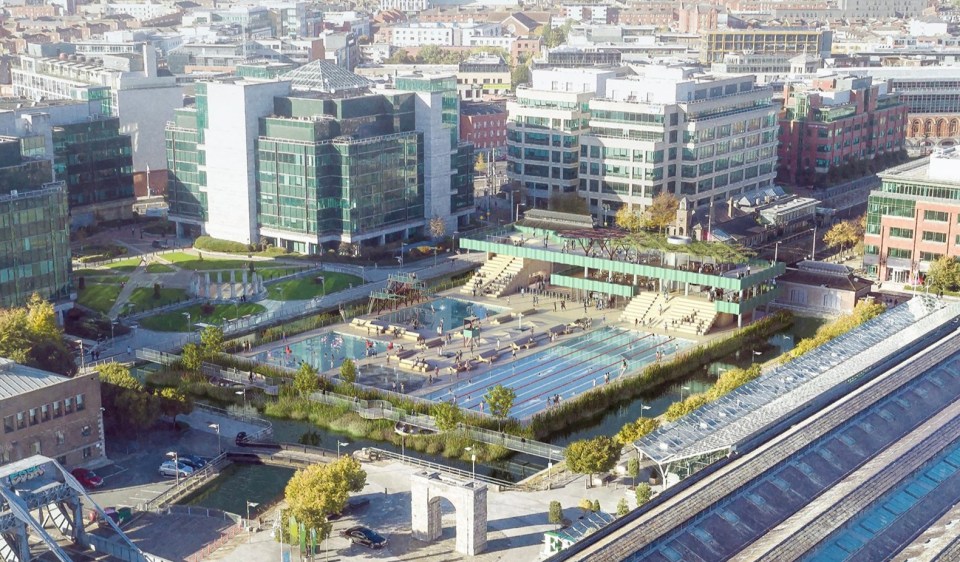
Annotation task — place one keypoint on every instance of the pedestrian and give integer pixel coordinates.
(554, 306)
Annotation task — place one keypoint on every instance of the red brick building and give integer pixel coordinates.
(837, 121)
(485, 125)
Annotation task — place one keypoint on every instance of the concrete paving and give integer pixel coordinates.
(516, 522)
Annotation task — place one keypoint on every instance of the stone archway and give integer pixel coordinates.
(468, 498)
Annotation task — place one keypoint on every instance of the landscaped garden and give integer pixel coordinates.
(99, 297)
(176, 321)
(308, 287)
(145, 298)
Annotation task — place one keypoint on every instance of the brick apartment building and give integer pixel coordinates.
(47, 414)
(833, 121)
(485, 125)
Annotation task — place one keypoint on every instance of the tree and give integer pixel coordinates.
(568, 203)
(191, 357)
(643, 493)
(447, 416)
(128, 407)
(555, 515)
(944, 274)
(596, 506)
(590, 456)
(628, 219)
(500, 399)
(30, 336)
(211, 341)
(842, 235)
(633, 469)
(438, 227)
(586, 505)
(41, 318)
(321, 490)
(173, 402)
(305, 381)
(622, 507)
(662, 212)
(348, 371)
(520, 75)
(632, 431)
(480, 166)
(401, 56)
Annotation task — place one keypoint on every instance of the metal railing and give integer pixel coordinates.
(186, 485)
(266, 426)
(158, 357)
(449, 470)
(244, 378)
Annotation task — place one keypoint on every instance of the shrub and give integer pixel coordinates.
(217, 245)
(555, 515)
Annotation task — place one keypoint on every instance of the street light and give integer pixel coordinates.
(113, 323)
(339, 444)
(606, 209)
(473, 460)
(219, 445)
(176, 465)
(363, 275)
(244, 393)
(249, 505)
(187, 314)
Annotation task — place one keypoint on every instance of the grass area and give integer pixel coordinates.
(176, 321)
(142, 298)
(99, 297)
(93, 272)
(305, 288)
(127, 265)
(193, 262)
(159, 268)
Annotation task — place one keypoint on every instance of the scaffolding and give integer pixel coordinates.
(402, 289)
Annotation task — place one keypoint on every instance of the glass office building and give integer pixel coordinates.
(96, 162)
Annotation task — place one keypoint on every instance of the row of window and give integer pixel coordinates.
(44, 413)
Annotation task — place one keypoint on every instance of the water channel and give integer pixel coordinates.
(264, 484)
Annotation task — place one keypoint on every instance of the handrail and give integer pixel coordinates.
(186, 485)
(266, 426)
(503, 484)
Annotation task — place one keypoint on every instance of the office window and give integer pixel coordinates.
(934, 237)
(68, 406)
(939, 216)
(81, 402)
(34, 416)
(57, 409)
(8, 425)
(87, 452)
(21, 420)
(45, 412)
(897, 232)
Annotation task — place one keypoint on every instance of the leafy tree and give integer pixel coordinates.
(211, 341)
(622, 507)
(30, 336)
(662, 212)
(554, 36)
(586, 505)
(320, 490)
(590, 456)
(437, 227)
(500, 399)
(555, 515)
(128, 407)
(643, 493)
(446, 415)
(305, 381)
(173, 402)
(520, 75)
(944, 274)
(348, 371)
(480, 165)
(628, 219)
(596, 506)
(633, 469)
(632, 431)
(842, 235)
(191, 357)
(401, 56)
(568, 203)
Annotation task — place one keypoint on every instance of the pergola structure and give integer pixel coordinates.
(607, 240)
(403, 289)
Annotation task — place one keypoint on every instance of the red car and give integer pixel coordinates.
(87, 477)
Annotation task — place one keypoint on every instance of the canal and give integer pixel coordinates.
(264, 484)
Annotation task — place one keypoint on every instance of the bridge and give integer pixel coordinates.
(40, 485)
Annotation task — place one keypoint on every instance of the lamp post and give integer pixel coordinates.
(187, 314)
(682, 388)
(606, 209)
(339, 444)
(473, 460)
(244, 394)
(113, 324)
(176, 465)
(249, 505)
(813, 251)
(216, 426)
(363, 275)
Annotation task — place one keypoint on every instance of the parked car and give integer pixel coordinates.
(195, 462)
(87, 478)
(364, 536)
(172, 469)
(353, 505)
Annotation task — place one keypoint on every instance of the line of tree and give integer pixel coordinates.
(129, 407)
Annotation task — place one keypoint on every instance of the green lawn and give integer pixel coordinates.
(159, 268)
(127, 265)
(191, 261)
(305, 288)
(142, 298)
(176, 321)
(99, 297)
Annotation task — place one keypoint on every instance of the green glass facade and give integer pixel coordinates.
(95, 160)
(184, 159)
(342, 167)
(34, 230)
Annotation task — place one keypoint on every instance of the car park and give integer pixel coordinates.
(87, 478)
(364, 536)
(172, 469)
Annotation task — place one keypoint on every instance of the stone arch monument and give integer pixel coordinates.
(468, 498)
(226, 285)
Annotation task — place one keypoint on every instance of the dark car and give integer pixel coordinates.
(242, 440)
(353, 505)
(195, 462)
(362, 535)
(88, 478)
